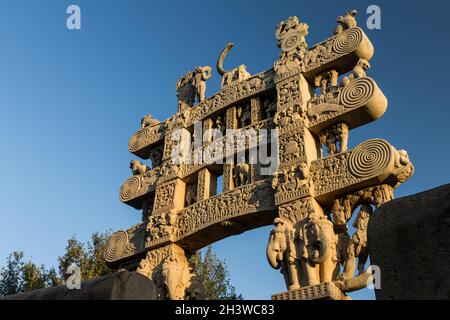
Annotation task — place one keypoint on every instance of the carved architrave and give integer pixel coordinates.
(314, 196)
(240, 201)
(356, 104)
(341, 52)
(138, 187)
(142, 141)
(123, 244)
(233, 93)
(372, 162)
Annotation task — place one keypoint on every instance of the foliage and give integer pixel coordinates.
(214, 275)
(19, 276)
(11, 281)
(88, 257)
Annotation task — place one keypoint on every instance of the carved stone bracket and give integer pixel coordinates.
(142, 141)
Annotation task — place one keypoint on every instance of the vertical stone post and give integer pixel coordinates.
(231, 123)
(256, 105)
(207, 132)
(207, 184)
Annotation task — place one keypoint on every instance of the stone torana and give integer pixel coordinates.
(310, 99)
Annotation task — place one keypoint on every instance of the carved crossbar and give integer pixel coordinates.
(340, 51)
(374, 162)
(309, 102)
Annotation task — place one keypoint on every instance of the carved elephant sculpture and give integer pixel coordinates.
(282, 253)
(176, 278)
(242, 174)
(320, 251)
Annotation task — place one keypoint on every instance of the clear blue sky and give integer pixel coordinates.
(70, 101)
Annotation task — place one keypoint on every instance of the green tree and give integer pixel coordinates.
(89, 257)
(18, 276)
(214, 275)
(34, 277)
(11, 281)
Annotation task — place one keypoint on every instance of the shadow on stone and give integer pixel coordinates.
(410, 242)
(117, 286)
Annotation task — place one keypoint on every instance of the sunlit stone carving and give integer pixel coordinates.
(308, 103)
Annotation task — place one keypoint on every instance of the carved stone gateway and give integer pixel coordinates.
(307, 103)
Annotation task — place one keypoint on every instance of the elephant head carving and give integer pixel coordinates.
(319, 239)
(282, 252)
(176, 277)
(278, 243)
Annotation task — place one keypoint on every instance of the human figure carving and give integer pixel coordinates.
(340, 131)
(326, 81)
(237, 74)
(156, 156)
(201, 74)
(220, 125)
(329, 141)
(270, 108)
(244, 116)
(358, 72)
(191, 194)
(346, 22)
(332, 136)
(358, 244)
(138, 168)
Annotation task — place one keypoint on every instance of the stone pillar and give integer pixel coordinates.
(170, 195)
(255, 105)
(228, 183)
(293, 91)
(207, 132)
(207, 185)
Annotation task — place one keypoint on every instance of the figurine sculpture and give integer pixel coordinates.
(310, 199)
(199, 81)
(138, 168)
(346, 22)
(238, 74)
(192, 87)
(282, 253)
(358, 72)
(242, 174)
(148, 121)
